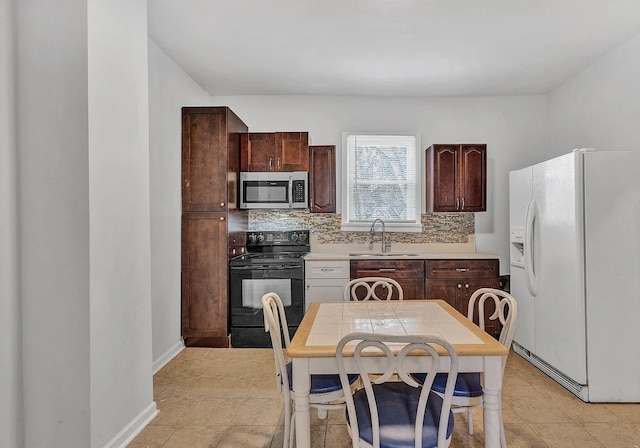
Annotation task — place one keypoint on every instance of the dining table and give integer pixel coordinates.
(313, 348)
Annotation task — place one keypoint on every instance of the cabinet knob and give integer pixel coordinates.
(459, 285)
(222, 204)
(222, 218)
(466, 285)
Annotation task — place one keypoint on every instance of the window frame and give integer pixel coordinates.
(414, 225)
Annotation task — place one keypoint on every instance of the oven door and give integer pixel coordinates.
(247, 285)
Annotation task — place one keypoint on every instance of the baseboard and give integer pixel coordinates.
(167, 356)
(135, 427)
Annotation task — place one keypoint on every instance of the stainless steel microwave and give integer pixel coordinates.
(274, 189)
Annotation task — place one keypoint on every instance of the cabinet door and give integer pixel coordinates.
(204, 279)
(469, 286)
(204, 159)
(258, 151)
(324, 290)
(412, 288)
(443, 167)
(292, 151)
(444, 289)
(473, 179)
(322, 179)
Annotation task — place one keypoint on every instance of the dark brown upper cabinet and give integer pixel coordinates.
(322, 179)
(456, 178)
(275, 151)
(210, 158)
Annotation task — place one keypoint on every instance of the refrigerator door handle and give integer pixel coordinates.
(529, 255)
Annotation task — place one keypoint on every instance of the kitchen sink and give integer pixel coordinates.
(381, 254)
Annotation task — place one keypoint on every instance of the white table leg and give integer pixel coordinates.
(491, 400)
(301, 389)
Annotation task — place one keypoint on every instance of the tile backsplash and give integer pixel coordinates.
(325, 227)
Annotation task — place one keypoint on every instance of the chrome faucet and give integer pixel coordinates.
(386, 245)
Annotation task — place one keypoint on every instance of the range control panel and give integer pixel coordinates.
(278, 238)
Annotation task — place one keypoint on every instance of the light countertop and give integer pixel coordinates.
(405, 255)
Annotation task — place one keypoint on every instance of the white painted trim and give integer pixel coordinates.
(167, 356)
(135, 427)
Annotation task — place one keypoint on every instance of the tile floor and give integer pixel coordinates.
(219, 398)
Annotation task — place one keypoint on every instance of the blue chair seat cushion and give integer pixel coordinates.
(397, 407)
(467, 384)
(322, 384)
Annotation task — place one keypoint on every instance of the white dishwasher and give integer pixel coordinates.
(325, 280)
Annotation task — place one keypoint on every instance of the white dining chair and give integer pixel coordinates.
(397, 413)
(468, 388)
(372, 288)
(326, 390)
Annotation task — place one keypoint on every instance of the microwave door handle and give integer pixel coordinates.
(290, 191)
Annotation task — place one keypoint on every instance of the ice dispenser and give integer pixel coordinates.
(517, 246)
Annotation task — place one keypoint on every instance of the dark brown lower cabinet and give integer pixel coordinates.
(204, 279)
(456, 280)
(408, 273)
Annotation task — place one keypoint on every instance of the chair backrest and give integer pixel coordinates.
(395, 350)
(506, 310)
(375, 288)
(275, 322)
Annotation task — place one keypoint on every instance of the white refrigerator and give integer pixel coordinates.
(575, 271)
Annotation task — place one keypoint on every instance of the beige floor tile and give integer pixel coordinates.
(614, 435)
(564, 435)
(196, 437)
(337, 437)
(259, 411)
(627, 412)
(518, 386)
(153, 436)
(582, 412)
(247, 436)
(520, 435)
(215, 411)
(536, 409)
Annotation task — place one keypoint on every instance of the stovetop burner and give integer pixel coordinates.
(272, 246)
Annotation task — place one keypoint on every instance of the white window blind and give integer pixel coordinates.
(382, 181)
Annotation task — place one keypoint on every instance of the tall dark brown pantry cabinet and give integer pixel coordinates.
(456, 178)
(212, 224)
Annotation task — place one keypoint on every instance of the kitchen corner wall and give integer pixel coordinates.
(436, 227)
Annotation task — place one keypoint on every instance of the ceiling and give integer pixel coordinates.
(388, 47)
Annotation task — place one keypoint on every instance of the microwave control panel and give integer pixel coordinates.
(299, 193)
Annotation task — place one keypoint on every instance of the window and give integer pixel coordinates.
(381, 181)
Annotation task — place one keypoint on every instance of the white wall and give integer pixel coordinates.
(600, 107)
(514, 128)
(10, 378)
(54, 220)
(83, 199)
(119, 220)
(169, 89)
